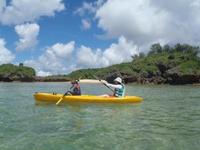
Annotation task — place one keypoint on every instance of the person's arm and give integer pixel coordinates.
(113, 85)
(72, 87)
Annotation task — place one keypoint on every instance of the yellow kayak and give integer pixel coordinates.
(51, 97)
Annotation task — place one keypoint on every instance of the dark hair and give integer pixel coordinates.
(74, 82)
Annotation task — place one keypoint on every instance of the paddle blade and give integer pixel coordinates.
(59, 100)
(91, 81)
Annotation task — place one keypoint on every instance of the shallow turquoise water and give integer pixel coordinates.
(168, 119)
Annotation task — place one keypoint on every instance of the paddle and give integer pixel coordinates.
(103, 83)
(60, 99)
(63, 96)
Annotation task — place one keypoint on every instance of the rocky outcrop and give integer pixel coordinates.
(183, 79)
(154, 80)
(10, 77)
(174, 79)
(5, 78)
(10, 72)
(166, 74)
(174, 76)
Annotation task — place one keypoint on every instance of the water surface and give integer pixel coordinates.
(168, 118)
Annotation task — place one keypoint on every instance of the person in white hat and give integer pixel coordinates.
(119, 87)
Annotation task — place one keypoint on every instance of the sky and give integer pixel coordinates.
(60, 36)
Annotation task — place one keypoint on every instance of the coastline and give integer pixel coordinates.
(81, 81)
(92, 81)
(178, 65)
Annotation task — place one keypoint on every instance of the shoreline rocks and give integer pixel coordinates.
(172, 79)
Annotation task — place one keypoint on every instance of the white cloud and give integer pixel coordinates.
(148, 21)
(120, 52)
(86, 24)
(86, 57)
(43, 73)
(115, 54)
(55, 59)
(62, 58)
(62, 50)
(136, 20)
(2, 5)
(28, 35)
(89, 7)
(6, 56)
(21, 11)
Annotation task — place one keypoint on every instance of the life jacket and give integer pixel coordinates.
(120, 92)
(77, 89)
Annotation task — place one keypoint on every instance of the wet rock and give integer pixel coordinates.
(183, 79)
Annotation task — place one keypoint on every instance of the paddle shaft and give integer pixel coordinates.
(107, 86)
(60, 100)
(104, 83)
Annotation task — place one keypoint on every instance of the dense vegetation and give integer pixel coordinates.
(10, 72)
(179, 64)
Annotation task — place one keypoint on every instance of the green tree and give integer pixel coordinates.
(166, 48)
(155, 49)
(141, 55)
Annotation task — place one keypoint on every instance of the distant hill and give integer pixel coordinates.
(10, 72)
(179, 64)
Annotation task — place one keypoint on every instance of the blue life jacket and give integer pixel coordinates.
(120, 92)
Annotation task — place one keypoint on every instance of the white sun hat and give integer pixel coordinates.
(119, 80)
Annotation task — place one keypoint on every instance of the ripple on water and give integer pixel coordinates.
(167, 119)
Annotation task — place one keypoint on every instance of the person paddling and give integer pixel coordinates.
(75, 88)
(119, 88)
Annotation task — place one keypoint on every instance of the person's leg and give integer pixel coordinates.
(68, 93)
(105, 95)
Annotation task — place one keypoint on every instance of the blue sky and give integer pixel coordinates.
(59, 36)
(63, 27)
